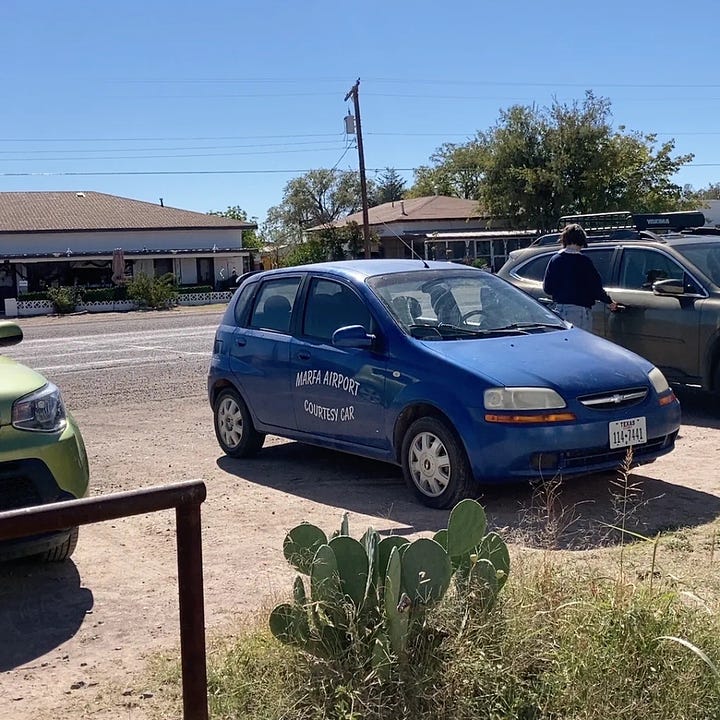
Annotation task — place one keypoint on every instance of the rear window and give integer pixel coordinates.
(534, 269)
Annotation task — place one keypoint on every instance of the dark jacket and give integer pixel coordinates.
(571, 279)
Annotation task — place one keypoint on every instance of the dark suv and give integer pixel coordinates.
(668, 286)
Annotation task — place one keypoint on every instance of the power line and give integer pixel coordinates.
(184, 155)
(157, 149)
(217, 172)
(394, 81)
(173, 138)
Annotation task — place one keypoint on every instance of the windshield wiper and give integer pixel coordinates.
(448, 331)
(527, 326)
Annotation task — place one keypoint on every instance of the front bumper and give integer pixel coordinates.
(582, 447)
(36, 469)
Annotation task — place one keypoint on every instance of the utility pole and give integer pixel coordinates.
(353, 93)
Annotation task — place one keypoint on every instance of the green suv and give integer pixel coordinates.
(42, 454)
(668, 289)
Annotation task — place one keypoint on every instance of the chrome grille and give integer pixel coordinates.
(614, 399)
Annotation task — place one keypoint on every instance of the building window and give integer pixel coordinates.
(205, 272)
(163, 266)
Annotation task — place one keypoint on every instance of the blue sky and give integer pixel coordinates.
(221, 103)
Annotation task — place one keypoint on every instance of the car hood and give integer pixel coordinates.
(16, 380)
(576, 361)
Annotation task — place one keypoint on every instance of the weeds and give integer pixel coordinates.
(566, 640)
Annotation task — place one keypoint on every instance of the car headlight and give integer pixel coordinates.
(41, 411)
(658, 381)
(522, 398)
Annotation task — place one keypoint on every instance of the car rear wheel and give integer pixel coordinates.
(435, 464)
(233, 426)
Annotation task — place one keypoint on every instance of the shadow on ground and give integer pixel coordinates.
(41, 606)
(575, 514)
(700, 409)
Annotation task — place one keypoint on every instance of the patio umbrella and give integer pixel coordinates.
(118, 266)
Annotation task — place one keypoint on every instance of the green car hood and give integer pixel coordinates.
(16, 380)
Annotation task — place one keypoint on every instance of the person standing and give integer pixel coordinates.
(573, 282)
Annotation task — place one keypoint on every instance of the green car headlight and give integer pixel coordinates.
(41, 411)
(522, 398)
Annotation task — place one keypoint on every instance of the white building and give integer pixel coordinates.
(69, 238)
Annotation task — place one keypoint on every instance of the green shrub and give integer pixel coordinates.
(187, 289)
(151, 292)
(109, 294)
(28, 296)
(65, 299)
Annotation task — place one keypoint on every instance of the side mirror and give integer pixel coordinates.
(10, 333)
(352, 336)
(668, 287)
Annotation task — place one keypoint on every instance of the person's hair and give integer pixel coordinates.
(573, 235)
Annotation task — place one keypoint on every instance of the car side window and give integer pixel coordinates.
(242, 302)
(534, 269)
(331, 305)
(640, 268)
(274, 304)
(602, 260)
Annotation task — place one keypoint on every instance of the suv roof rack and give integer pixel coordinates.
(670, 221)
(624, 225)
(701, 231)
(598, 222)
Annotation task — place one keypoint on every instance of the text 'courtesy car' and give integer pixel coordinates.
(42, 454)
(446, 370)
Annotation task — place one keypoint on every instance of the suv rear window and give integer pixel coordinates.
(535, 269)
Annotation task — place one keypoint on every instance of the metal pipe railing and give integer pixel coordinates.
(186, 498)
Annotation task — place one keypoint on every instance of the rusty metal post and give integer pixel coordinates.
(186, 498)
(192, 612)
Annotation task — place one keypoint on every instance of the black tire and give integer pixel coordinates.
(434, 463)
(64, 551)
(234, 428)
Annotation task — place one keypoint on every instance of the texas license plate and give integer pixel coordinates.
(624, 433)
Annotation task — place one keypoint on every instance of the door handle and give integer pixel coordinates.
(303, 356)
(241, 341)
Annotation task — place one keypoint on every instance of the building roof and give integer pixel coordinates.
(32, 212)
(435, 207)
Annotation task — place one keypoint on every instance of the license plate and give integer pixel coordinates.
(624, 433)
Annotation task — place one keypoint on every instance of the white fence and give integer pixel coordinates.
(27, 308)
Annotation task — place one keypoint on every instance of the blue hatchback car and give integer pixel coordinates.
(446, 370)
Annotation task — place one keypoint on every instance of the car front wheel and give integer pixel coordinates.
(435, 464)
(233, 426)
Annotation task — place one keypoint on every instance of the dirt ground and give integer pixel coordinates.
(74, 638)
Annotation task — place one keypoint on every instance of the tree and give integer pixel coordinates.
(711, 192)
(316, 198)
(537, 164)
(457, 171)
(250, 238)
(389, 186)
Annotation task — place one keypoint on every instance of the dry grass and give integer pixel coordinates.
(629, 629)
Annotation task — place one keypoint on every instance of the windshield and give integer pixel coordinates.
(705, 257)
(460, 302)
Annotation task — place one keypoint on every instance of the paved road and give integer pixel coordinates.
(130, 357)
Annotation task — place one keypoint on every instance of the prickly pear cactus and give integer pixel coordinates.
(367, 594)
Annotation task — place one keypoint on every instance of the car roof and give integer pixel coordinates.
(359, 270)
